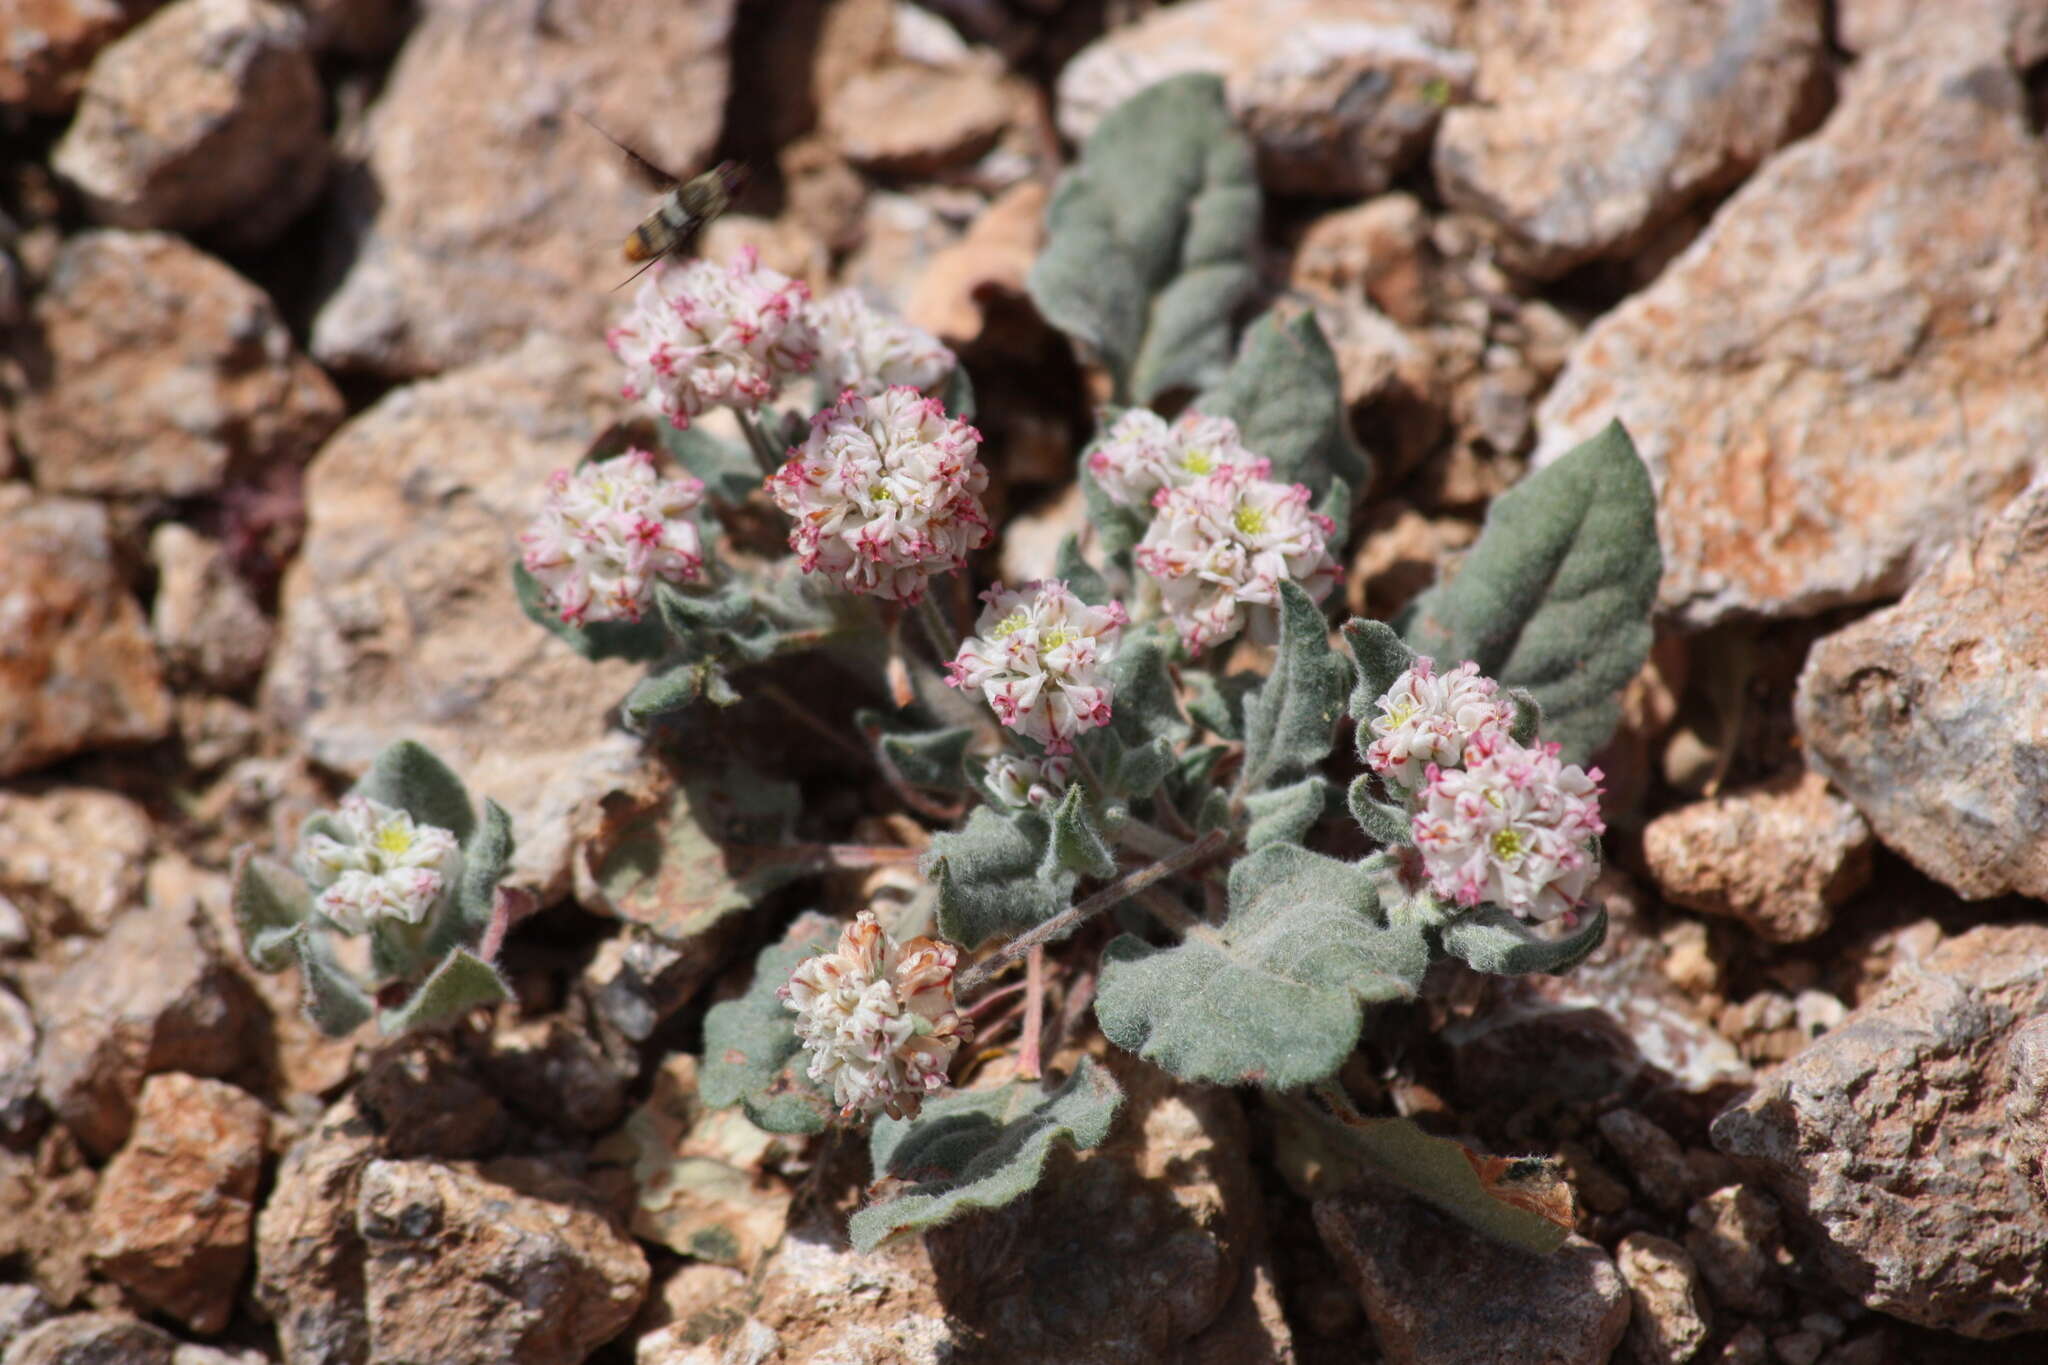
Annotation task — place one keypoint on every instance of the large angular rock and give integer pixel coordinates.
(94, 1339)
(1890, 1140)
(154, 995)
(485, 207)
(209, 117)
(1930, 715)
(1847, 365)
(1669, 1321)
(462, 1268)
(172, 1218)
(1338, 96)
(72, 859)
(45, 1205)
(205, 619)
(1439, 1293)
(161, 373)
(18, 1107)
(309, 1257)
(77, 669)
(1687, 99)
(50, 44)
(1779, 858)
(399, 617)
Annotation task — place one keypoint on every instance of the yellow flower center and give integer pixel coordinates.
(1507, 845)
(1402, 711)
(1012, 623)
(1053, 639)
(392, 841)
(1250, 520)
(1197, 462)
(880, 493)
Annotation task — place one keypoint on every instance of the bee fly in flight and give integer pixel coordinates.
(686, 206)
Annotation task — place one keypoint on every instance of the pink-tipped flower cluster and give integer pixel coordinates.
(1141, 454)
(1028, 783)
(1221, 546)
(1513, 826)
(878, 1019)
(885, 492)
(1037, 654)
(609, 531)
(1428, 718)
(376, 863)
(864, 349)
(702, 336)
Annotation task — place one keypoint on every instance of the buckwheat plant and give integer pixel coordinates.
(405, 863)
(1146, 732)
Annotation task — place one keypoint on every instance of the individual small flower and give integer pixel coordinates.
(1514, 826)
(878, 1019)
(381, 866)
(864, 349)
(1221, 546)
(1428, 718)
(885, 492)
(1025, 783)
(702, 336)
(610, 529)
(1037, 654)
(1141, 454)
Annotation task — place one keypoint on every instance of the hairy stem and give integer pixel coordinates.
(938, 632)
(757, 441)
(1109, 897)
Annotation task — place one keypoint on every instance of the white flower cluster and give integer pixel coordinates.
(1514, 826)
(1022, 783)
(864, 349)
(383, 867)
(1221, 546)
(1037, 654)
(1141, 454)
(885, 492)
(702, 336)
(1426, 718)
(609, 530)
(878, 1019)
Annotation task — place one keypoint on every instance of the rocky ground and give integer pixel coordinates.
(303, 301)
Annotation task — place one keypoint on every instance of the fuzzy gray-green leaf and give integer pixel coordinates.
(957, 393)
(485, 859)
(1076, 844)
(1285, 815)
(333, 1001)
(751, 1053)
(1147, 705)
(1381, 657)
(1291, 721)
(980, 1149)
(1275, 995)
(270, 906)
(408, 776)
(1383, 823)
(1070, 566)
(664, 693)
(921, 757)
(726, 467)
(1135, 772)
(1492, 940)
(1556, 596)
(1284, 394)
(1150, 239)
(462, 982)
(989, 876)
